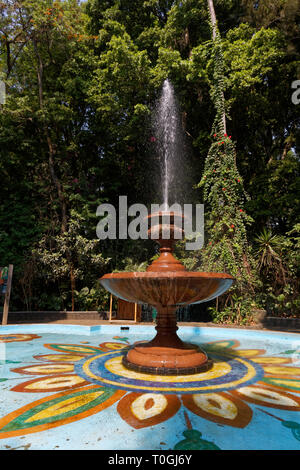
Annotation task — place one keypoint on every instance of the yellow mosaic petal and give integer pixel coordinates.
(73, 348)
(272, 360)
(223, 344)
(43, 369)
(157, 403)
(283, 371)
(80, 349)
(221, 408)
(141, 410)
(267, 396)
(64, 406)
(54, 382)
(51, 383)
(216, 404)
(60, 357)
(112, 346)
(17, 337)
(248, 352)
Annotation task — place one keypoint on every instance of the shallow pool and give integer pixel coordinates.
(64, 387)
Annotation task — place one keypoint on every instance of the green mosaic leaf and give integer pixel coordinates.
(121, 339)
(295, 428)
(194, 441)
(290, 384)
(58, 409)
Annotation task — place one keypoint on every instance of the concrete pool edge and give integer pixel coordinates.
(147, 329)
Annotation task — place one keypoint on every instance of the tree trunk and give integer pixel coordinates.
(213, 19)
(8, 57)
(51, 148)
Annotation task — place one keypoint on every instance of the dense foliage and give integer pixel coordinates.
(81, 82)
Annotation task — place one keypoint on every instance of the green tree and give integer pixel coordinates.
(70, 255)
(45, 135)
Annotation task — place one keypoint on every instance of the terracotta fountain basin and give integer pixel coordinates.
(168, 287)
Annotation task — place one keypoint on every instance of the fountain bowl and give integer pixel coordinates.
(167, 288)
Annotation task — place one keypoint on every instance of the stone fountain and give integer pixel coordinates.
(166, 284)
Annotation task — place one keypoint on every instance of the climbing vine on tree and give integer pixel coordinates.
(227, 248)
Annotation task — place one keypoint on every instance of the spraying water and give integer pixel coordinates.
(170, 143)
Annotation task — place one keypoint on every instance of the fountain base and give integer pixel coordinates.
(166, 354)
(167, 361)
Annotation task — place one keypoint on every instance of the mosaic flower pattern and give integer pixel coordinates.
(17, 337)
(81, 380)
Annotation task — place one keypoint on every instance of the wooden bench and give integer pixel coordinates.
(5, 289)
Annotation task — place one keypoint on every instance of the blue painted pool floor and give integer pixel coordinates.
(64, 387)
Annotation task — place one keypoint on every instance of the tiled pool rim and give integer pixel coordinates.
(217, 332)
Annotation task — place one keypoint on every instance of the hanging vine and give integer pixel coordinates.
(227, 248)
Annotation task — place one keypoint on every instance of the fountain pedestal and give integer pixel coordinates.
(166, 285)
(166, 353)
